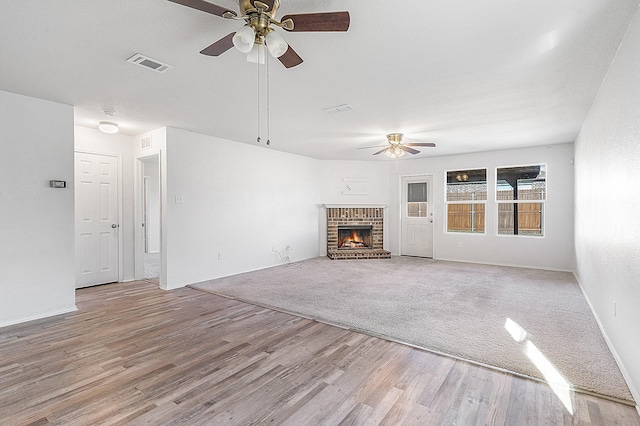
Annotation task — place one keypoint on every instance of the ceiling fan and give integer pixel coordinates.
(396, 148)
(258, 34)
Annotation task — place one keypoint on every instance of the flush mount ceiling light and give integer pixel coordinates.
(108, 127)
(258, 35)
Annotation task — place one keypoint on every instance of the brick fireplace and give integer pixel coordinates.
(355, 232)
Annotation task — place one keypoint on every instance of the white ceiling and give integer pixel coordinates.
(467, 75)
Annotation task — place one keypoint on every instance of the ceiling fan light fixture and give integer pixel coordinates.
(108, 127)
(394, 152)
(244, 39)
(257, 55)
(276, 44)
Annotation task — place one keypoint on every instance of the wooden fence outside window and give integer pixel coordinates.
(470, 216)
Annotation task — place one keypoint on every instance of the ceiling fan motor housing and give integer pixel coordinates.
(394, 138)
(269, 7)
(260, 25)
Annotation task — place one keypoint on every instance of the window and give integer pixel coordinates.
(417, 199)
(466, 200)
(521, 193)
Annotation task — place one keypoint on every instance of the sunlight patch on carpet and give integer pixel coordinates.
(560, 386)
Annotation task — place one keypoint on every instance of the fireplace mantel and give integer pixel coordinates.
(354, 206)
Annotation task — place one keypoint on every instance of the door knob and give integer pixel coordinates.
(113, 225)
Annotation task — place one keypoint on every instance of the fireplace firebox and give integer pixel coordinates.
(354, 237)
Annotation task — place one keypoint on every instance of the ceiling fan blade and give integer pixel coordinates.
(381, 151)
(220, 46)
(329, 21)
(431, 144)
(409, 150)
(205, 6)
(369, 147)
(290, 58)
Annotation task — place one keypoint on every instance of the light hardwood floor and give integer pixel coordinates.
(134, 354)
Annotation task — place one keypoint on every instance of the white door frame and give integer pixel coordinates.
(431, 208)
(118, 158)
(145, 213)
(139, 217)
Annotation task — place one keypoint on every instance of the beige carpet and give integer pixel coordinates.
(453, 308)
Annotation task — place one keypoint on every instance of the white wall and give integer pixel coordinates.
(353, 183)
(36, 236)
(239, 201)
(607, 228)
(97, 142)
(553, 251)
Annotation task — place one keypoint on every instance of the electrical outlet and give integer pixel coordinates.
(219, 255)
(179, 199)
(615, 309)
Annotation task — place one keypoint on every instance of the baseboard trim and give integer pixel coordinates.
(510, 265)
(291, 262)
(634, 391)
(39, 316)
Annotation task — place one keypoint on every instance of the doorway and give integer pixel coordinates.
(151, 216)
(97, 230)
(417, 216)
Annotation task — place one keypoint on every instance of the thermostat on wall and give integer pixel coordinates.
(58, 184)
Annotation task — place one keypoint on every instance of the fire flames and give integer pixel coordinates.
(354, 242)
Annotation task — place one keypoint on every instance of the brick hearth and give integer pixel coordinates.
(356, 216)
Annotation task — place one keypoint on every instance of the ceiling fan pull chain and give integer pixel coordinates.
(258, 99)
(268, 104)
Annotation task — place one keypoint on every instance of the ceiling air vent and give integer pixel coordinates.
(146, 142)
(147, 62)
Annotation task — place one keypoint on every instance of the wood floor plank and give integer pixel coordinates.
(407, 409)
(498, 399)
(134, 354)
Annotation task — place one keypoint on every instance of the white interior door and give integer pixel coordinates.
(417, 216)
(97, 228)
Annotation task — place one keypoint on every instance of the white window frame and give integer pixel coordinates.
(447, 202)
(543, 203)
(426, 201)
